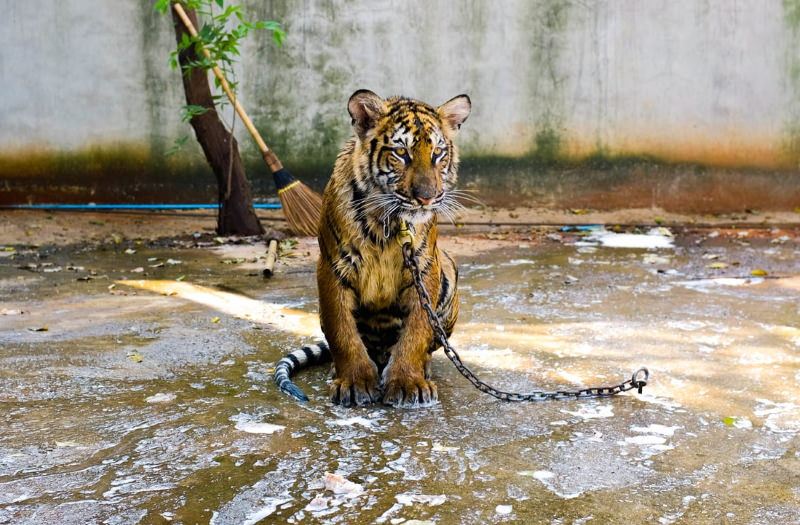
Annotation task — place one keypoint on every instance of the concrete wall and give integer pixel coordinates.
(555, 84)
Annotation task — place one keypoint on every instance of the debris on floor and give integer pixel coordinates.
(173, 416)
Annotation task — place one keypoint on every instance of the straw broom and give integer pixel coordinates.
(301, 204)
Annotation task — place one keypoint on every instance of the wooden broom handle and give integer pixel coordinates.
(271, 159)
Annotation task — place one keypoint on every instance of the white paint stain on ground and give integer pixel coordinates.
(548, 479)
(518, 262)
(408, 499)
(740, 422)
(669, 404)
(319, 503)
(779, 417)
(247, 423)
(654, 428)
(341, 485)
(645, 440)
(269, 508)
(592, 412)
(160, 398)
(438, 447)
(653, 439)
(351, 421)
(656, 238)
(708, 285)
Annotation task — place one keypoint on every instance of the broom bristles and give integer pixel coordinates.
(302, 207)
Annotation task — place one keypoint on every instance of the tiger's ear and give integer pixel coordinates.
(365, 109)
(455, 111)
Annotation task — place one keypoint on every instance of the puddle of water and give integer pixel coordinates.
(195, 432)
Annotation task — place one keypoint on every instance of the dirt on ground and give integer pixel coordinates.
(136, 354)
(67, 227)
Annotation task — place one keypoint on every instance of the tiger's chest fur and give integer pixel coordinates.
(381, 312)
(379, 276)
(367, 260)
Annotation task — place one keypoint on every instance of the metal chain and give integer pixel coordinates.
(638, 380)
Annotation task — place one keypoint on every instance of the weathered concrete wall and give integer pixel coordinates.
(557, 85)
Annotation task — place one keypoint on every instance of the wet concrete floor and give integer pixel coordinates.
(149, 401)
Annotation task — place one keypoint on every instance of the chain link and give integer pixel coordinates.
(637, 381)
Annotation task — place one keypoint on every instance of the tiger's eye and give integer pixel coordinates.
(437, 151)
(400, 151)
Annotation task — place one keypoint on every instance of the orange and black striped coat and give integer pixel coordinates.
(400, 164)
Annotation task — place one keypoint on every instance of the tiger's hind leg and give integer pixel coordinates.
(447, 303)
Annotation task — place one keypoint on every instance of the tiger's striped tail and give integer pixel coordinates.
(297, 360)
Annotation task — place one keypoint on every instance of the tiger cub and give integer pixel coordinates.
(401, 163)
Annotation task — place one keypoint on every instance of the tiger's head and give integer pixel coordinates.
(405, 154)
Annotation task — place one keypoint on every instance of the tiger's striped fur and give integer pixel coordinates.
(400, 163)
(307, 355)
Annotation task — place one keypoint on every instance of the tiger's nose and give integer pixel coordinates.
(424, 195)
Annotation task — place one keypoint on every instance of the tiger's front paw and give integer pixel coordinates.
(357, 386)
(409, 392)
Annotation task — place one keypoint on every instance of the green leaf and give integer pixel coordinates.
(192, 110)
(269, 25)
(206, 32)
(161, 5)
(177, 145)
(227, 13)
(221, 39)
(278, 37)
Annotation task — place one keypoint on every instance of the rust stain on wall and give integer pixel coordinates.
(731, 150)
(727, 151)
(689, 174)
(116, 173)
